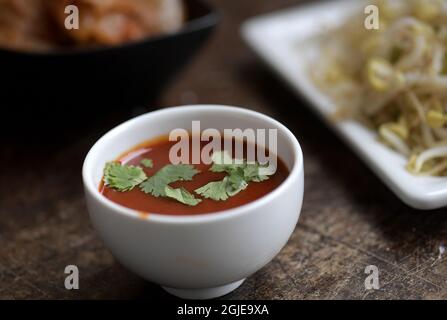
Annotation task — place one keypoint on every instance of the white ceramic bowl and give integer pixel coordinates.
(203, 256)
(289, 41)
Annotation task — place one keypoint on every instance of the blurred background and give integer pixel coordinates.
(61, 91)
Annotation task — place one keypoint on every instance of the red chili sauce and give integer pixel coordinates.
(158, 151)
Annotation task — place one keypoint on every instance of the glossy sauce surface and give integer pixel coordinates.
(158, 151)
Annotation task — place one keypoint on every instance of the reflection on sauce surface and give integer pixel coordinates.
(158, 151)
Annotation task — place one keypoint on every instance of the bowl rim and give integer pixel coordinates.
(209, 20)
(295, 172)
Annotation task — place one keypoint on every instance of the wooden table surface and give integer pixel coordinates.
(349, 219)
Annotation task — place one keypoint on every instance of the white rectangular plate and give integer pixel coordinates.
(286, 41)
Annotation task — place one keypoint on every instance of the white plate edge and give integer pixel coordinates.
(409, 195)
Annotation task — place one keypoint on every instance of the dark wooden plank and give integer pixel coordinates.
(349, 218)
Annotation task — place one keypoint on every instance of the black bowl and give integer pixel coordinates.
(67, 82)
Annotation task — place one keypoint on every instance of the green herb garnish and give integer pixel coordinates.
(170, 173)
(148, 163)
(182, 195)
(237, 183)
(123, 177)
(240, 173)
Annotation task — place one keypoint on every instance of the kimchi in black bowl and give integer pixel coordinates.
(69, 79)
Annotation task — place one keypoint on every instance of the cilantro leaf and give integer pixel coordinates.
(222, 158)
(222, 162)
(214, 190)
(182, 195)
(219, 168)
(240, 173)
(236, 184)
(257, 173)
(170, 173)
(148, 163)
(252, 171)
(123, 177)
(228, 168)
(222, 190)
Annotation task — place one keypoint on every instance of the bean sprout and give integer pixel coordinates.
(393, 79)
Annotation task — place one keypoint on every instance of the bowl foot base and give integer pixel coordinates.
(204, 293)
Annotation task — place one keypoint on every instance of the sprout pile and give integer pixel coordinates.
(393, 79)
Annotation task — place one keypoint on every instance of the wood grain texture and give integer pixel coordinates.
(349, 218)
